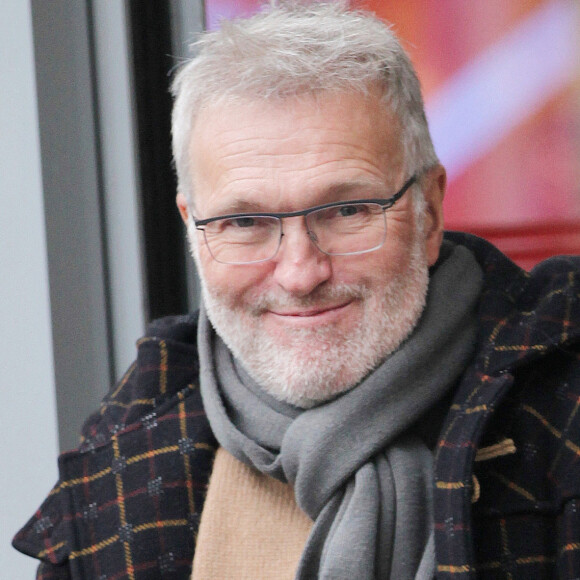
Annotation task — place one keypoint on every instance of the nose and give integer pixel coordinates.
(300, 265)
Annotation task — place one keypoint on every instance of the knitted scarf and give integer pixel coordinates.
(357, 468)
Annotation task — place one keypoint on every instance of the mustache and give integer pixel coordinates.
(321, 296)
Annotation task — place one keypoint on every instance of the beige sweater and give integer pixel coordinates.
(251, 527)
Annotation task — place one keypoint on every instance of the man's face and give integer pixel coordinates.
(306, 325)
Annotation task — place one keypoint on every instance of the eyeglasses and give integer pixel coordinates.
(341, 228)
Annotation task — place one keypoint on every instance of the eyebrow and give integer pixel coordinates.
(340, 190)
(239, 205)
(334, 192)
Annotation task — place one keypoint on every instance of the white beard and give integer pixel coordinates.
(315, 365)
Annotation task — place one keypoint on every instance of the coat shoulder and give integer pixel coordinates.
(139, 477)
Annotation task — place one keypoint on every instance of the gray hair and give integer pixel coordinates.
(300, 48)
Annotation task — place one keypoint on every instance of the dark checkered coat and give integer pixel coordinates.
(507, 476)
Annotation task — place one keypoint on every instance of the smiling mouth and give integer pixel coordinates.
(311, 312)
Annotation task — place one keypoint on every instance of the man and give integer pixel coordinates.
(358, 397)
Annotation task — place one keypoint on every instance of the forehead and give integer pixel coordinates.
(292, 152)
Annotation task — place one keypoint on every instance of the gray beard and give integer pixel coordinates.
(316, 365)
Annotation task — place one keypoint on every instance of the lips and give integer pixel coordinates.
(311, 312)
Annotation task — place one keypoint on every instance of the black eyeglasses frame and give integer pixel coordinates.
(384, 203)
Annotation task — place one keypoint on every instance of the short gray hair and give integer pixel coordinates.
(297, 48)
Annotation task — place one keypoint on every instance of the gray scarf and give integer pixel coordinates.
(357, 468)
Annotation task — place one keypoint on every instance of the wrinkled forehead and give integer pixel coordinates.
(239, 139)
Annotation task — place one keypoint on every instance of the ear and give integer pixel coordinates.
(182, 206)
(434, 190)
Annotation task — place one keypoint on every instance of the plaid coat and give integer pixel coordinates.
(507, 470)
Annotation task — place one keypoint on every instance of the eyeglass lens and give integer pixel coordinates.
(336, 230)
(348, 229)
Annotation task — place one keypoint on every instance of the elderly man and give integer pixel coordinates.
(360, 396)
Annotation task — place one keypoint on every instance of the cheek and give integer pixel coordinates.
(402, 237)
(377, 270)
(232, 283)
(388, 261)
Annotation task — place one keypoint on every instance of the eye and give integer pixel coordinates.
(232, 226)
(340, 214)
(349, 210)
(245, 225)
(242, 222)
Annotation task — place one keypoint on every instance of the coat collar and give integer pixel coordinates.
(523, 315)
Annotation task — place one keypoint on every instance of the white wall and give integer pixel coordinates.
(28, 429)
